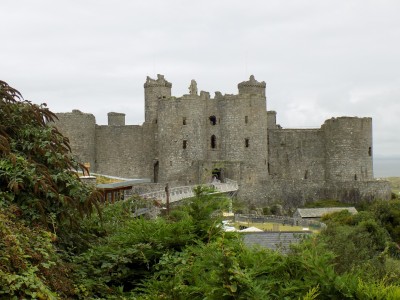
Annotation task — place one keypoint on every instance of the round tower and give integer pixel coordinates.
(252, 87)
(244, 130)
(181, 125)
(154, 90)
(348, 149)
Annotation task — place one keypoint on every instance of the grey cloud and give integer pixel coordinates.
(319, 58)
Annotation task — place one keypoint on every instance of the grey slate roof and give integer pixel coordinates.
(319, 212)
(274, 240)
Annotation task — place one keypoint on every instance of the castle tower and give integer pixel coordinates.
(348, 149)
(80, 128)
(154, 90)
(252, 87)
(181, 125)
(244, 122)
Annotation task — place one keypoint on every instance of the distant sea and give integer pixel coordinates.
(386, 167)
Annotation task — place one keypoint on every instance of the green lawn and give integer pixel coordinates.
(268, 226)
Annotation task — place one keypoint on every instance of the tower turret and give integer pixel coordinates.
(154, 90)
(252, 87)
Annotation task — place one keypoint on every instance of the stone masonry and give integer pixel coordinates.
(191, 139)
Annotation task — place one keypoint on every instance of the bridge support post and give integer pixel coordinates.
(167, 193)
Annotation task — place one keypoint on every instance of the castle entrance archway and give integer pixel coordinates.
(218, 174)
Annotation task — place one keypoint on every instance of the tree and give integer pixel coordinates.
(36, 168)
(42, 201)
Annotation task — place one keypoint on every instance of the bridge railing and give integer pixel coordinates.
(182, 192)
(227, 186)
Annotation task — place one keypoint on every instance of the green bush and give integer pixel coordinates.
(131, 248)
(29, 263)
(388, 214)
(36, 166)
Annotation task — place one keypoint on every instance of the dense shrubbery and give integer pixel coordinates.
(29, 263)
(51, 247)
(133, 247)
(361, 245)
(41, 200)
(36, 168)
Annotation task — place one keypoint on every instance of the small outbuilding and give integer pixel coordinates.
(317, 213)
(115, 191)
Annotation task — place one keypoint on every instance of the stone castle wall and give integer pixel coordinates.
(295, 193)
(297, 154)
(120, 151)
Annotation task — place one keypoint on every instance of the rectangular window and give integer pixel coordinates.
(184, 145)
(246, 119)
(213, 142)
(247, 143)
(184, 121)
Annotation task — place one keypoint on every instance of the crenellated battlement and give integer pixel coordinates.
(159, 82)
(252, 86)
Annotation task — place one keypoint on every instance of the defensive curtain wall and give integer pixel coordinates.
(187, 140)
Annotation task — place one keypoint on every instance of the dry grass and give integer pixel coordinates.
(394, 184)
(103, 179)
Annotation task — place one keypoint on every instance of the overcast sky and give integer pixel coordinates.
(319, 58)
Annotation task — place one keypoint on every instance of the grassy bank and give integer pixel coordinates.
(394, 184)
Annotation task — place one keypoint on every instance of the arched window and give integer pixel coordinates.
(213, 120)
(213, 142)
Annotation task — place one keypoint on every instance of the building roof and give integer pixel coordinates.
(123, 184)
(251, 229)
(319, 212)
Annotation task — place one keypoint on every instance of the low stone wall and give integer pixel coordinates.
(278, 241)
(279, 220)
(295, 193)
(89, 180)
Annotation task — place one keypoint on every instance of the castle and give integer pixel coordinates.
(191, 139)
